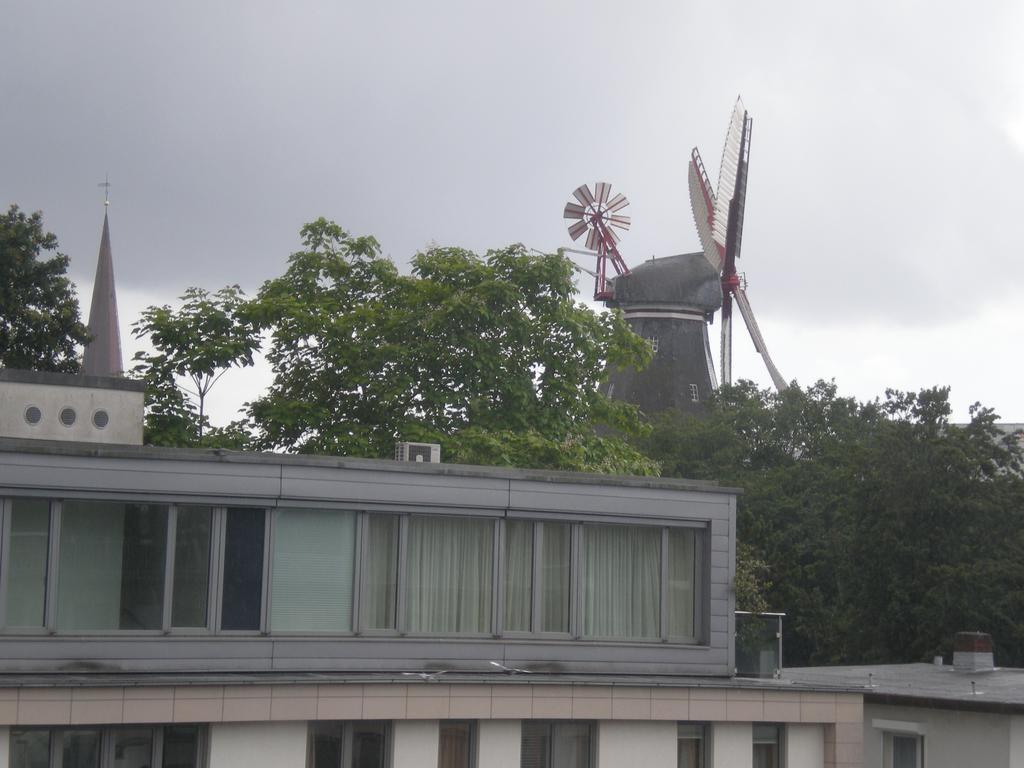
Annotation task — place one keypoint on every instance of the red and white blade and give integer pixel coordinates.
(577, 229)
(617, 203)
(702, 203)
(573, 211)
(622, 222)
(582, 193)
(593, 239)
(602, 190)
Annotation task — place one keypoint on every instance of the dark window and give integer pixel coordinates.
(33, 415)
(100, 419)
(181, 746)
(767, 746)
(105, 748)
(67, 416)
(556, 745)
(191, 567)
(243, 569)
(455, 745)
(27, 560)
(692, 748)
(347, 745)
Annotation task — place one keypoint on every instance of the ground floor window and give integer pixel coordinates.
(557, 745)
(691, 749)
(767, 746)
(336, 744)
(456, 744)
(902, 750)
(177, 746)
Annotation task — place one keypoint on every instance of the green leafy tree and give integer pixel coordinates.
(884, 528)
(192, 347)
(490, 356)
(40, 327)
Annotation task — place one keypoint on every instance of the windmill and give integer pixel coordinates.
(598, 216)
(719, 219)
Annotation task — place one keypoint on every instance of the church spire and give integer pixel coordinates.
(103, 353)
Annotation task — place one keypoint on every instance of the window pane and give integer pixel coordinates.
(191, 567)
(691, 746)
(111, 566)
(30, 749)
(369, 745)
(81, 749)
(449, 574)
(381, 572)
(904, 752)
(324, 745)
(243, 569)
(766, 746)
(133, 748)
(621, 581)
(518, 575)
(26, 564)
(554, 577)
(570, 745)
(454, 745)
(181, 746)
(314, 557)
(535, 745)
(681, 569)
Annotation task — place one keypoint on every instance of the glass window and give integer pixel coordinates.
(691, 748)
(30, 749)
(902, 750)
(181, 746)
(380, 572)
(555, 549)
(449, 564)
(81, 749)
(455, 745)
(313, 563)
(347, 745)
(518, 575)
(767, 746)
(191, 567)
(556, 745)
(242, 600)
(111, 566)
(681, 576)
(133, 747)
(26, 563)
(621, 581)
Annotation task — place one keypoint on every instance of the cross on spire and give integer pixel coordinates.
(106, 189)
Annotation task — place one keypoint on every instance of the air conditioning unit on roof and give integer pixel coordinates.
(425, 452)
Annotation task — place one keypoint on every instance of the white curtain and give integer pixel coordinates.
(449, 562)
(621, 581)
(380, 572)
(554, 577)
(518, 575)
(680, 582)
(314, 556)
(26, 564)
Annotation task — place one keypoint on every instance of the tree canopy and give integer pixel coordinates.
(40, 328)
(885, 528)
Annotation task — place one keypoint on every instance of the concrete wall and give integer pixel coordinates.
(500, 742)
(414, 744)
(5, 747)
(732, 745)
(124, 409)
(805, 746)
(629, 744)
(262, 745)
(952, 739)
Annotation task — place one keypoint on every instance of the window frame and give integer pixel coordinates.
(474, 739)
(703, 733)
(106, 745)
(348, 740)
(550, 725)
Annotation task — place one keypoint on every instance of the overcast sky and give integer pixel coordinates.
(882, 241)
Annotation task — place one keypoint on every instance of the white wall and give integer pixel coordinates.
(499, 742)
(732, 745)
(414, 744)
(258, 745)
(1016, 742)
(636, 744)
(5, 746)
(952, 739)
(122, 406)
(805, 746)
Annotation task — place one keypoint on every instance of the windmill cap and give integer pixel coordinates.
(685, 280)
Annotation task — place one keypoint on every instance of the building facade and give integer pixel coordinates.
(187, 608)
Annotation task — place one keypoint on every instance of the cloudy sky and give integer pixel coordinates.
(882, 242)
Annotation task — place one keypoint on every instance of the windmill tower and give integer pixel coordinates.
(719, 219)
(667, 301)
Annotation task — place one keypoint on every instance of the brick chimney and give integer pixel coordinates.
(972, 652)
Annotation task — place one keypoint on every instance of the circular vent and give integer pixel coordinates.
(33, 415)
(68, 416)
(100, 419)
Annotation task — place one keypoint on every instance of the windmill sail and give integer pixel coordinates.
(755, 334)
(727, 171)
(702, 203)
